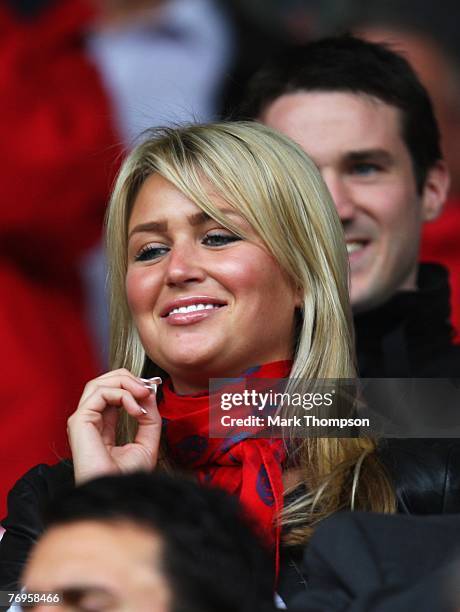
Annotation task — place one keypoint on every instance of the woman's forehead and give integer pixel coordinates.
(159, 199)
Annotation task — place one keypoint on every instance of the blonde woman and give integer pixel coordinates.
(226, 258)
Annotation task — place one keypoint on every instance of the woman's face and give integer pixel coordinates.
(205, 302)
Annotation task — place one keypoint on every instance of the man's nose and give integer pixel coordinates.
(185, 265)
(341, 195)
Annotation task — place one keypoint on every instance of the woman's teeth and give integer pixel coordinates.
(193, 308)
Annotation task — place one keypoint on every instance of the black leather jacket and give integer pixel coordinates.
(426, 475)
(363, 562)
(410, 335)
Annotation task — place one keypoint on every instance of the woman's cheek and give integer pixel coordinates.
(141, 291)
(240, 272)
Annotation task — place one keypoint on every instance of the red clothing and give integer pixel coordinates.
(441, 243)
(57, 151)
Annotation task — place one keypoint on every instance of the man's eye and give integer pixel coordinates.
(365, 169)
(151, 252)
(219, 239)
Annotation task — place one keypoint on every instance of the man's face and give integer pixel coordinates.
(441, 78)
(99, 566)
(356, 142)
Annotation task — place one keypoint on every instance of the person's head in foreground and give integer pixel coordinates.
(226, 258)
(360, 112)
(153, 543)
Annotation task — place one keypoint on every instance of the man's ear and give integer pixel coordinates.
(435, 191)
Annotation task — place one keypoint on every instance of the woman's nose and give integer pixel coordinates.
(185, 265)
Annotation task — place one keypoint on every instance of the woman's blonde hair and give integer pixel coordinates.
(272, 183)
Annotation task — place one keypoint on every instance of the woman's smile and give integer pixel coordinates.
(187, 310)
(205, 301)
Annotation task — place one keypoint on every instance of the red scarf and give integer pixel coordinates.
(249, 468)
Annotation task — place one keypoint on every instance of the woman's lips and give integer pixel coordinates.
(190, 303)
(192, 315)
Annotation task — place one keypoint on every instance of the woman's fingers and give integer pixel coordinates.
(97, 416)
(92, 428)
(149, 430)
(122, 379)
(92, 408)
(109, 426)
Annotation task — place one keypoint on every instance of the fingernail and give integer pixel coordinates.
(152, 388)
(143, 410)
(151, 383)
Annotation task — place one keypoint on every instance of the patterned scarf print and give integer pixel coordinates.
(247, 467)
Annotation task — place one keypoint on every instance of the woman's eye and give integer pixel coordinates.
(151, 252)
(219, 239)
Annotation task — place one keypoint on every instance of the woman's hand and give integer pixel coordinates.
(91, 429)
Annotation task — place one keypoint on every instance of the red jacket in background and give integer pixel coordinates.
(58, 154)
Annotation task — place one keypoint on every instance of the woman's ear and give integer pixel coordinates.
(435, 191)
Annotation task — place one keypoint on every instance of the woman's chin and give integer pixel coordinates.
(190, 375)
(187, 364)
(199, 355)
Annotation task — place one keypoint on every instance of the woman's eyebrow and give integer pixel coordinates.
(198, 218)
(203, 217)
(150, 226)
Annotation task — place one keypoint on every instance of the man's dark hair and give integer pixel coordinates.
(212, 560)
(351, 65)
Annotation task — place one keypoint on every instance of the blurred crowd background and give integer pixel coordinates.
(80, 80)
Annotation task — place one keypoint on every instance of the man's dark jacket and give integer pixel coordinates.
(358, 562)
(410, 336)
